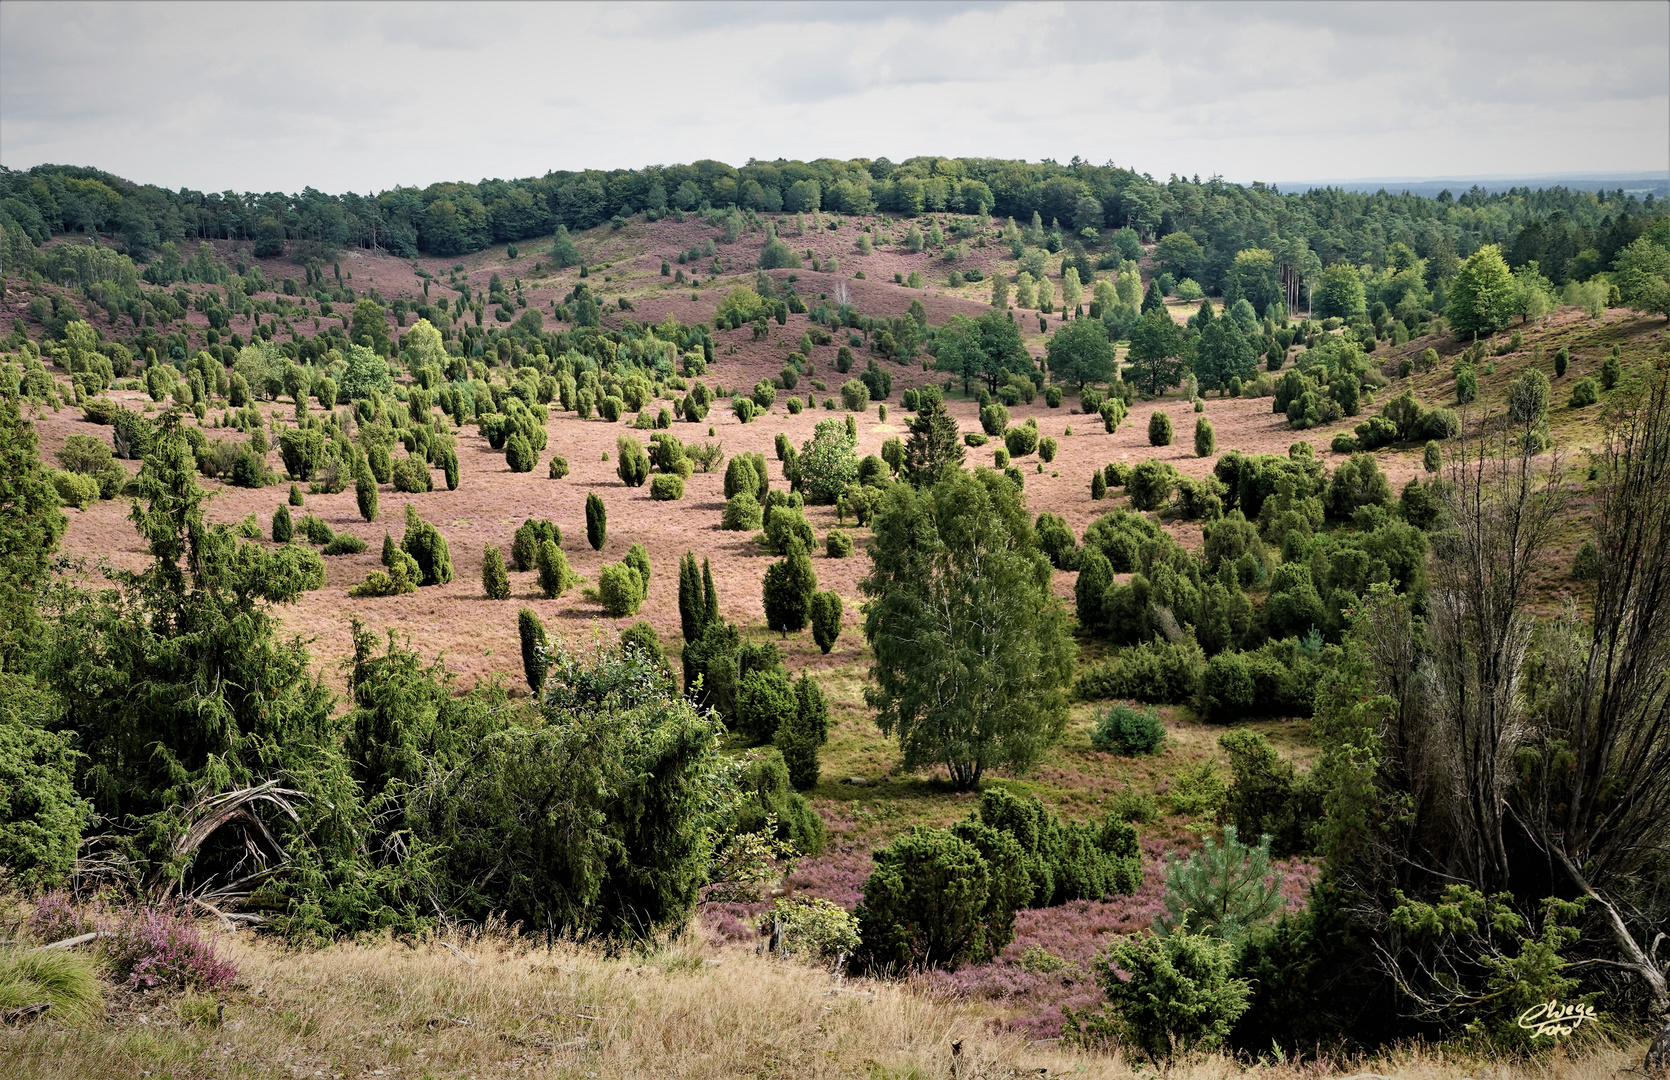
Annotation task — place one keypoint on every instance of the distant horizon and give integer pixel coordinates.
(1659, 177)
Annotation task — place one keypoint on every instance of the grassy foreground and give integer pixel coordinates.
(492, 1006)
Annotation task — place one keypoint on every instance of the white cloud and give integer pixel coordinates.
(361, 97)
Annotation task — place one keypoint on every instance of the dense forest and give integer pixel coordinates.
(1569, 233)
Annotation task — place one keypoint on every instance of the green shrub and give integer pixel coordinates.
(524, 546)
(411, 475)
(1586, 566)
(827, 463)
(1052, 396)
(1610, 371)
(993, 419)
(934, 901)
(620, 590)
(365, 491)
(530, 632)
(1137, 807)
(1198, 791)
(764, 701)
(815, 928)
(1266, 798)
(631, 463)
(855, 395)
(838, 544)
(1206, 440)
(742, 513)
(1098, 485)
(75, 489)
(597, 521)
(1166, 996)
(316, 530)
(552, 565)
(41, 816)
(666, 487)
(788, 588)
(1585, 392)
(1064, 860)
(519, 454)
(559, 467)
(1128, 732)
(428, 548)
(283, 527)
(787, 523)
(495, 582)
(1163, 673)
(1151, 483)
(1432, 456)
(1055, 540)
(344, 544)
(770, 795)
(826, 617)
(1159, 429)
(799, 734)
(1021, 441)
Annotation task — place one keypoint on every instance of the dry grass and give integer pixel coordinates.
(495, 1007)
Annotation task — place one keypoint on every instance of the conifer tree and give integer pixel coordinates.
(789, 586)
(532, 634)
(597, 521)
(691, 616)
(710, 595)
(495, 583)
(365, 488)
(826, 619)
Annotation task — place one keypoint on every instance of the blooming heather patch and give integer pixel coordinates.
(54, 918)
(150, 947)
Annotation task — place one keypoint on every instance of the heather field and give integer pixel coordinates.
(467, 999)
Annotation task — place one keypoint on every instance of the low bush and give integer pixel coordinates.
(1128, 732)
(344, 544)
(559, 467)
(620, 590)
(666, 487)
(1162, 673)
(1166, 996)
(743, 513)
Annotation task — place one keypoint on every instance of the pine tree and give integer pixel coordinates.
(283, 527)
(1223, 891)
(532, 633)
(495, 583)
(597, 521)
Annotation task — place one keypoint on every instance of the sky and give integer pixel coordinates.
(366, 96)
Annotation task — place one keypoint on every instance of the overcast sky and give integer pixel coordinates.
(261, 97)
